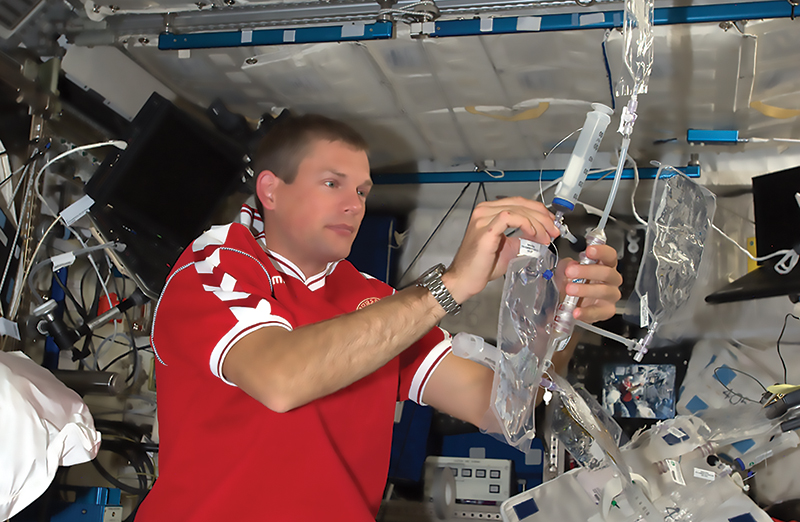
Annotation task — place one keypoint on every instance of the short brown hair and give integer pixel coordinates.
(287, 143)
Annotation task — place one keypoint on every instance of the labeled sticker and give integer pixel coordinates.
(675, 472)
(644, 312)
(529, 248)
(9, 328)
(675, 436)
(704, 474)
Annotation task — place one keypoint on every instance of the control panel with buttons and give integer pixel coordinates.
(478, 481)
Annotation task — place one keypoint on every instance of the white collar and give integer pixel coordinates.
(284, 266)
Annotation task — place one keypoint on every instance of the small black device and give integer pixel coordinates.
(161, 192)
(776, 209)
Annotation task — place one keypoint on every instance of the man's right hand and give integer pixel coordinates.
(485, 251)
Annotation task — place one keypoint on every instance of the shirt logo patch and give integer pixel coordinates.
(366, 302)
(277, 280)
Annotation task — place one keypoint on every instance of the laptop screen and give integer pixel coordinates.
(161, 192)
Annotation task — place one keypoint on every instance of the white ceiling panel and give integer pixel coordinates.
(457, 101)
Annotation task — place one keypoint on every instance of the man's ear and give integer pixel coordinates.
(266, 185)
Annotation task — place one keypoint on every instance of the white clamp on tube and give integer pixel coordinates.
(580, 162)
(564, 321)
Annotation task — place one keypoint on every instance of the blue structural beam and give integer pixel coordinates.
(610, 19)
(510, 176)
(476, 26)
(245, 38)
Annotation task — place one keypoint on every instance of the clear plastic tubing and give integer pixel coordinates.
(623, 154)
(584, 153)
(564, 321)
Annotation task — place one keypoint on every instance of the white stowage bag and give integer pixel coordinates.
(43, 425)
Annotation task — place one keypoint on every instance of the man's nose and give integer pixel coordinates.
(354, 203)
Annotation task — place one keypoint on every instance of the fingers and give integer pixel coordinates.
(594, 291)
(595, 273)
(603, 254)
(600, 293)
(600, 311)
(531, 217)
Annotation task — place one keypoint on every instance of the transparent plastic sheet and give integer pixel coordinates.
(681, 212)
(736, 423)
(637, 47)
(528, 303)
(594, 442)
(585, 448)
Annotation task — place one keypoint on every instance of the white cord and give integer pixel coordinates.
(633, 194)
(783, 267)
(117, 143)
(12, 247)
(20, 284)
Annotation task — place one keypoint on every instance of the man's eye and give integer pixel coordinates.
(330, 184)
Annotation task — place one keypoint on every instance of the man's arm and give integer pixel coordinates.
(462, 388)
(286, 369)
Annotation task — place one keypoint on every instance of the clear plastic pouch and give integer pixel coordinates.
(638, 52)
(592, 437)
(681, 212)
(530, 298)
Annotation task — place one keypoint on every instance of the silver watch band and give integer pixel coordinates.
(432, 281)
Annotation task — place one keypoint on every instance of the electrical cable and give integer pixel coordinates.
(133, 377)
(441, 222)
(783, 267)
(78, 308)
(474, 203)
(737, 394)
(116, 143)
(546, 155)
(12, 245)
(608, 71)
(35, 154)
(44, 263)
(778, 345)
(123, 355)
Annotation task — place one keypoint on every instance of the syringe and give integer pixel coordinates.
(564, 321)
(584, 153)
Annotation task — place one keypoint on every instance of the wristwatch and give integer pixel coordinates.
(432, 280)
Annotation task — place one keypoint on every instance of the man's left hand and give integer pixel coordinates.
(600, 293)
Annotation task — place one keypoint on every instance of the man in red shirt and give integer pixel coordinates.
(280, 364)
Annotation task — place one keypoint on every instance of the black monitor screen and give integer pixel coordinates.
(776, 210)
(161, 192)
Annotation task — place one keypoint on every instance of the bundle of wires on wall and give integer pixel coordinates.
(125, 440)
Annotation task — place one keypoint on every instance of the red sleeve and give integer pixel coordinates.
(218, 293)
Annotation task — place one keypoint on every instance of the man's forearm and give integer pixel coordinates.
(286, 369)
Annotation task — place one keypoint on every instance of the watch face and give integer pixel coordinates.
(431, 274)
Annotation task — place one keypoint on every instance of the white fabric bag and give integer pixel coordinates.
(43, 425)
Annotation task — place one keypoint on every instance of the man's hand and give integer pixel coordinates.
(601, 292)
(485, 251)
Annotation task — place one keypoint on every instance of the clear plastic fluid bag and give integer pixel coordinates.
(530, 298)
(681, 212)
(584, 427)
(592, 437)
(637, 33)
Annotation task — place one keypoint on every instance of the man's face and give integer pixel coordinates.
(316, 217)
